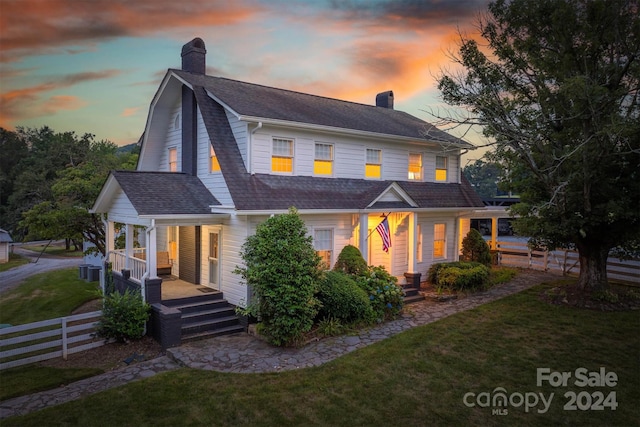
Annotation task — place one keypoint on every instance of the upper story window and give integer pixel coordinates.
(323, 162)
(173, 159)
(214, 165)
(441, 168)
(373, 166)
(415, 167)
(176, 122)
(282, 155)
(323, 244)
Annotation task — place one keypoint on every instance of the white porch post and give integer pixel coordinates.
(364, 234)
(109, 237)
(129, 230)
(152, 262)
(413, 239)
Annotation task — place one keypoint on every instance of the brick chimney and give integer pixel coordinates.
(194, 56)
(193, 60)
(385, 99)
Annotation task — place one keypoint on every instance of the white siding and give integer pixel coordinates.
(121, 210)
(173, 138)
(213, 181)
(349, 155)
(240, 134)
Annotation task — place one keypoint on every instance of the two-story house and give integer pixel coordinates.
(220, 156)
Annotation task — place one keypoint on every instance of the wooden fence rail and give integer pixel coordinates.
(517, 254)
(33, 342)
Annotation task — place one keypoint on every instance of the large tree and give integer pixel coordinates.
(554, 84)
(61, 210)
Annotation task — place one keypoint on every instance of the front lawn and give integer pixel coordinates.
(419, 377)
(46, 296)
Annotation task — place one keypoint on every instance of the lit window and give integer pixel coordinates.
(415, 166)
(439, 241)
(173, 160)
(323, 163)
(213, 160)
(282, 157)
(441, 168)
(323, 244)
(373, 167)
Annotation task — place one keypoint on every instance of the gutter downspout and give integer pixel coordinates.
(254, 130)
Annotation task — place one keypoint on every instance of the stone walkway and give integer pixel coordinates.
(243, 353)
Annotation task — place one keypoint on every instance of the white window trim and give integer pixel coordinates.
(333, 243)
(366, 162)
(446, 169)
(444, 246)
(332, 160)
(292, 157)
(421, 173)
(169, 150)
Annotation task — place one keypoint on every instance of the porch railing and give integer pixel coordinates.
(137, 266)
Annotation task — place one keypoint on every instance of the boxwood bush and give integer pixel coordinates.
(350, 261)
(459, 276)
(342, 299)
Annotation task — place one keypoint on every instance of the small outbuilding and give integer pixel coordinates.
(5, 244)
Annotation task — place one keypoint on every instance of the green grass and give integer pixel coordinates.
(45, 296)
(31, 379)
(418, 377)
(15, 260)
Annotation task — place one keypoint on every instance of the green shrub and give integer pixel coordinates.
(350, 261)
(342, 298)
(385, 296)
(459, 276)
(330, 326)
(475, 248)
(123, 316)
(283, 269)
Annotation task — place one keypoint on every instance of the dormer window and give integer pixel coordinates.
(373, 166)
(214, 165)
(441, 168)
(415, 167)
(282, 155)
(323, 163)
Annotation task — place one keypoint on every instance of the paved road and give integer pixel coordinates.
(11, 278)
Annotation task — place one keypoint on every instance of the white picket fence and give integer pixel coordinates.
(52, 338)
(518, 254)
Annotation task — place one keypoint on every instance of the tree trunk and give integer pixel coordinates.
(593, 267)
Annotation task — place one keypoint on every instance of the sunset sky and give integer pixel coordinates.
(94, 65)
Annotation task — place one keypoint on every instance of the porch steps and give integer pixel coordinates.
(206, 316)
(411, 294)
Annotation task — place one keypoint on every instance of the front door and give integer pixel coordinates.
(214, 259)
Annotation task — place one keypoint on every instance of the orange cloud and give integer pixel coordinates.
(128, 112)
(28, 102)
(37, 26)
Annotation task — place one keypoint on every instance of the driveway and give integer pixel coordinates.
(11, 278)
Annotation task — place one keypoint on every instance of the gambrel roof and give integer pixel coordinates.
(278, 192)
(256, 102)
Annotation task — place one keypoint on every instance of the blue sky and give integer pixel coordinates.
(94, 65)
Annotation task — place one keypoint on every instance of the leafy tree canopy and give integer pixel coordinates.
(53, 180)
(554, 85)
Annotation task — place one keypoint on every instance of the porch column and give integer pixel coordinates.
(494, 232)
(129, 230)
(364, 234)
(152, 262)
(109, 237)
(412, 243)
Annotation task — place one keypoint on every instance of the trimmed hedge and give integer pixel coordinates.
(350, 261)
(342, 299)
(459, 276)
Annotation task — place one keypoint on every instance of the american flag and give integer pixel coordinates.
(385, 234)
